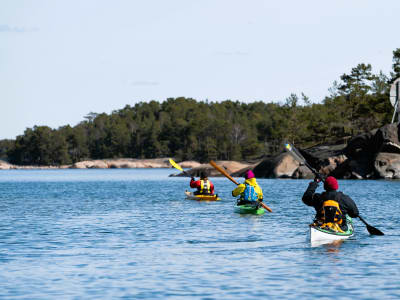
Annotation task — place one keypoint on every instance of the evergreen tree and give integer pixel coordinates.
(201, 130)
(396, 65)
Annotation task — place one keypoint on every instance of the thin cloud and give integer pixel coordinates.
(16, 29)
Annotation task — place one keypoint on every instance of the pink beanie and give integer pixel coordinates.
(249, 174)
(331, 183)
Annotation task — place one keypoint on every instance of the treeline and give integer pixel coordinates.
(230, 130)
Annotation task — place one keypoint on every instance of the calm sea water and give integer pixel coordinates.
(110, 234)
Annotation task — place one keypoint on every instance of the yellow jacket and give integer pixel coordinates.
(241, 187)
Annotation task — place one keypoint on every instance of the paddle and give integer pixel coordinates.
(296, 154)
(223, 172)
(372, 230)
(176, 166)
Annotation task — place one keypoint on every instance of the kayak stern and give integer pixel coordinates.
(320, 235)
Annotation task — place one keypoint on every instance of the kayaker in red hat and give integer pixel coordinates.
(204, 186)
(249, 191)
(331, 206)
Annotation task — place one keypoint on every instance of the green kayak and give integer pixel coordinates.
(249, 209)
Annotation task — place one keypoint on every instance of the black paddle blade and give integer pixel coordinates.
(374, 231)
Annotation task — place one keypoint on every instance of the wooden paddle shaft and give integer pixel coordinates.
(223, 172)
(265, 206)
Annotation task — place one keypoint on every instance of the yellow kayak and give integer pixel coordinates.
(191, 196)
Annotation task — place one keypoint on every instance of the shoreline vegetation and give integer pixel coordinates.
(348, 134)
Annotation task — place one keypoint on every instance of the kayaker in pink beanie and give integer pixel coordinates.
(249, 191)
(249, 174)
(331, 206)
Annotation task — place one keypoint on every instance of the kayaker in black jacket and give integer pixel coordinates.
(331, 206)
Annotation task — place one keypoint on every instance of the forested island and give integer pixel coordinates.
(187, 129)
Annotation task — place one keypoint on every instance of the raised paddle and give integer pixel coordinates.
(176, 166)
(296, 154)
(223, 172)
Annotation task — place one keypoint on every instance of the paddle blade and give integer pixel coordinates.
(372, 230)
(300, 158)
(293, 151)
(175, 165)
(288, 147)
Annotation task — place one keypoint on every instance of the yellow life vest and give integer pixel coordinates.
(205, 187)
(331, 215)
(331, 212)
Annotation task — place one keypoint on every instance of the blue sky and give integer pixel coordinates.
(60, 60)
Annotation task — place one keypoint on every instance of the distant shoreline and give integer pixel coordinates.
(118, 163)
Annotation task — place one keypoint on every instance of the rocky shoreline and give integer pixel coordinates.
(129, 163)
(120, 163)
(372, 155)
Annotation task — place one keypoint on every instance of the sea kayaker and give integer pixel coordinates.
(204, 186)
(331, 206)
(249, 191)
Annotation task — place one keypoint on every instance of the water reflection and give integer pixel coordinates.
(330, 246)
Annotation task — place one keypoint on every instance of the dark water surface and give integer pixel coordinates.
(109, 234)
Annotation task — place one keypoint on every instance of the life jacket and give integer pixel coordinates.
(205, 187)
(331, 216)
(249, 193)
(331, 213)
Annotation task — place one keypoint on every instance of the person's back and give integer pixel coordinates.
(204, 186)
(331, 206)
(249, 191)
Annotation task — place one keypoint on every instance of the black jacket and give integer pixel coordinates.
(346, 204)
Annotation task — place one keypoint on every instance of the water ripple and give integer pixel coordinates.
(130, 234)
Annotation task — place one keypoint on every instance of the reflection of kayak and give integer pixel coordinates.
(319, 236)
(249, 209)
(191, 196)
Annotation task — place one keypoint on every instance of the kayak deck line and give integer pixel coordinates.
(191, 196)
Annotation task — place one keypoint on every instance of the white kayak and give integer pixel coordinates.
(319, 236)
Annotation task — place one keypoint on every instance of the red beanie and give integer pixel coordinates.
(331, 183)
(249, 174)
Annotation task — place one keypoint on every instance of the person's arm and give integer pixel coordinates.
(259, 192)
(238, 190)
(211, 188)
(309, 196)
(194, 184)
(350, 206)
